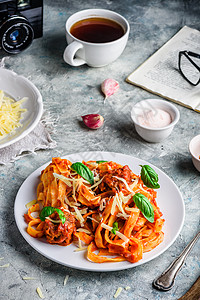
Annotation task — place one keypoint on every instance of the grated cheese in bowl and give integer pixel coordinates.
(10, 114)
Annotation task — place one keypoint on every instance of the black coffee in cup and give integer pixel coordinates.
(97, 30)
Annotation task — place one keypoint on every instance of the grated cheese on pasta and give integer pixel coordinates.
(118, 233)
(83, 230)
(126, 184)
(80, 247)
(118, 201)
(29, 204)
(78, 216)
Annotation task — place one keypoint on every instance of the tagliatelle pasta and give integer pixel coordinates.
(95, 206)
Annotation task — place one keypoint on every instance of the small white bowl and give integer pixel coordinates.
(152, 134)
(194, 147)
(18, 87)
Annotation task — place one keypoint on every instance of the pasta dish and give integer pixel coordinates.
(101, 206)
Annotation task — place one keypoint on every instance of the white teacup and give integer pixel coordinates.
(79, 52)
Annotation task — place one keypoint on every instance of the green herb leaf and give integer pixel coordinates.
(61, 215)
(101, 161)
(144, 206)
(115, 228)
(83, 171)
(48, 210)
(149, 177)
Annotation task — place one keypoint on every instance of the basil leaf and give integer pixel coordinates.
(83, 171)
(101, 161)
(149, 177)
(48, 210)
(144, 206)
(61, 215)
(115, 228)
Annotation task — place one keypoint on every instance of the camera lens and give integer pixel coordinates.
(16, 34)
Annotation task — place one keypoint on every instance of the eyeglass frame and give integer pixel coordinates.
(187, 53)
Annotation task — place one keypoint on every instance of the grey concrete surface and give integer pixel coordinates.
(70, 92)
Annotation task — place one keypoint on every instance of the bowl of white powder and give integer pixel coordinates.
(194, 147)
(154, 119)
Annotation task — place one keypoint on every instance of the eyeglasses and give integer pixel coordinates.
(189, 66)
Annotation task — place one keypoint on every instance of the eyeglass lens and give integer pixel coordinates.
(189, 70)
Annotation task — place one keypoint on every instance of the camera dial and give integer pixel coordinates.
(16, 34)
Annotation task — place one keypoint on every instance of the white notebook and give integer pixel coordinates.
(160, 74)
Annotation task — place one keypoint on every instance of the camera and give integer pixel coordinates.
(21, 21)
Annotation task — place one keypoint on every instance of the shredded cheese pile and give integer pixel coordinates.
(10, 114)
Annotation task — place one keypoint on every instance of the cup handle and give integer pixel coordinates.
(69, 54)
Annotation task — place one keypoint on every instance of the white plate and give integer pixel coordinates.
(168, 199)
(18, 87)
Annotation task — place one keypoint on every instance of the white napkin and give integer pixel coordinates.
(39, 138)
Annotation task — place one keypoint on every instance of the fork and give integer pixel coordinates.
(166, 280)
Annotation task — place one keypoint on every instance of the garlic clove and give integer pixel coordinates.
(93, 121)
(109, 87)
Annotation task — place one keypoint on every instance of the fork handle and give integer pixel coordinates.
(166, 280)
